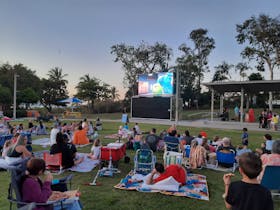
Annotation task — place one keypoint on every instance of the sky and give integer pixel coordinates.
(76, 35)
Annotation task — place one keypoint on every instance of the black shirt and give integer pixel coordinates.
(245, 196)
(67, 154)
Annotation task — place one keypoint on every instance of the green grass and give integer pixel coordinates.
(106, 197)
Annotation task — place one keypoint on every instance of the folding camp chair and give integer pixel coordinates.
(186, 156)
(53, 162)
(226, 160)
(174, 147)
(14, 192)
(144, 161)
(271, 179)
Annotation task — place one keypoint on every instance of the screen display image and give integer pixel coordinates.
(155, 84)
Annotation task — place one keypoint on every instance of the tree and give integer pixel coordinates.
(28, 96)
(141, 59)
(91, 89)
(54, 88)
(114, 93)
(5, 97)
(203, 45)
(255, 76)
(242, 67)
(194, 63)
(222, 72)
(262, 36)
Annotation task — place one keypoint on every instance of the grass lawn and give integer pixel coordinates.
(106, 197)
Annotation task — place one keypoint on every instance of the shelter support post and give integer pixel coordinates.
(242, 105)
(212, 104)
(270, 101)
(221, 103)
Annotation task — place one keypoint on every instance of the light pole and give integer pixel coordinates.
(15, 97)
(177, 96)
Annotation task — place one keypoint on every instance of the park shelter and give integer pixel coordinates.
(243, 87)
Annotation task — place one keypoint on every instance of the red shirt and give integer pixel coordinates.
(177, 172)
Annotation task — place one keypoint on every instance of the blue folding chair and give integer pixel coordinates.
(144, 161)
(271, 180)
(226, 160)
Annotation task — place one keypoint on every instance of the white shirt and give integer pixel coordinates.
(53, 134)
(96, 151)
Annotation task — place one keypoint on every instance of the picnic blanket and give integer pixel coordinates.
(86, 166)
(196, 186)
(44, 142)
(112, 136)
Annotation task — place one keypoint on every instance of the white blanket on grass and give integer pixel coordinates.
(86, 166)
(168, 184)
(44, 142)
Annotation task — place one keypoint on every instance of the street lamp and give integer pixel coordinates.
(15, 97)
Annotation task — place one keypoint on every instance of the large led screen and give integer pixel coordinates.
(155, 84)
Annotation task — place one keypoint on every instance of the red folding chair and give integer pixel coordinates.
(53, 162)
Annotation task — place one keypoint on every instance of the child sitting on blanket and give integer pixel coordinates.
(174, 170)
(95, 150)
(247, 193)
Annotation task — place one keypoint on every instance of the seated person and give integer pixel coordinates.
(98, 124)
(152, 140)
(197, 155)
(247, 193)
(126, 126)
(137, 128)
(216, 141)
(80, 136)
(54, 131)
(95, 151)
(41, 191)
(242, 149)
(226, 146)
(144, 144)
(186, 139)
(172, 142)
(266, 147)
(7, 145)
(272, 159)
(176, 171)
(171, 128)
(15, 137)
(68, 153)
(19, 149)
(41, 129)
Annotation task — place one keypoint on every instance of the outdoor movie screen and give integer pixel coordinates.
(158, 84)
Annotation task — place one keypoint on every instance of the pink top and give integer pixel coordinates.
(269, 160)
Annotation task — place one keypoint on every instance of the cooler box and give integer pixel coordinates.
(117, 151)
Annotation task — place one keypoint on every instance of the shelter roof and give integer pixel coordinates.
(248, 86)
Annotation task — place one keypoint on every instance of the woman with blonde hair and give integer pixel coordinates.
(19, 148)
(95, 150)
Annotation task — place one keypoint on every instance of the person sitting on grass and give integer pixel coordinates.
(197, 155)
(80, 136)
(272, 159)
(176, 171)
(266, 146)
(247, 193)
(69, 158)
(18, 149)
(226, 146)
(95, 150)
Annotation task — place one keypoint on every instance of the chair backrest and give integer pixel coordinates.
(144, 161)
(53, 161)
(174, 147)
(17, 172)
(271, 177)
(228, 158)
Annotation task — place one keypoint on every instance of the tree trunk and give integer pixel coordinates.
(270, 93)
